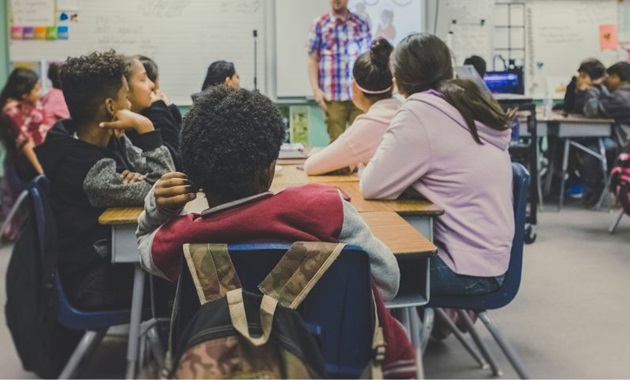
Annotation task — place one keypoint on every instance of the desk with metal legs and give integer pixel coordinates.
(571, 127)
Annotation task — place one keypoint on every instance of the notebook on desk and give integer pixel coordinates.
(288, 150)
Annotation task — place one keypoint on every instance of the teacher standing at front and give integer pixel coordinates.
(335, 41)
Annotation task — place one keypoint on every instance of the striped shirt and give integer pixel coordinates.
(338, 42)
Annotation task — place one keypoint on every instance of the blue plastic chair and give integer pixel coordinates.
(95, 323)
(14, 184)
(338, 311)
(504, 295)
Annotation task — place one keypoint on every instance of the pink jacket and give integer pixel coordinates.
(358, 143)
(429, 147)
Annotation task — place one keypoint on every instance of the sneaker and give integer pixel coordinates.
(575, 190)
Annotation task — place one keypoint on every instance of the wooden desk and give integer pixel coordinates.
(388, 226)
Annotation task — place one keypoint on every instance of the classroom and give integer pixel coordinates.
(393, 189)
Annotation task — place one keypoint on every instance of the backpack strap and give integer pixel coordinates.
(212, 270)
(298, 271)
(375, 368)
(239, 317)
(215, 277)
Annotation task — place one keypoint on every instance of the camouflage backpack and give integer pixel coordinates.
(238, 334)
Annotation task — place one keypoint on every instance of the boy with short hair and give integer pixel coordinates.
(591, 74)
(611, 101)
(92, 166)
(230, 142)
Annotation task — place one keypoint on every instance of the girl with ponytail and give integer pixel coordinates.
(449, 142)
(372, 88)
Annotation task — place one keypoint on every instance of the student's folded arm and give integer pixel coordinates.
(149, 223)
(593, 102)
(402, 158)
(150, 157)
(338, 155)
(615, 105)
(104, 187)
(383, 265)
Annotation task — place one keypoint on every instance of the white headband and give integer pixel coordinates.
(372, 92)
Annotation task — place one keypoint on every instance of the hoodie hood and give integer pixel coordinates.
(487, 135)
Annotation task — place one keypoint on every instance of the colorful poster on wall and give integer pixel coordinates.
(33, 12)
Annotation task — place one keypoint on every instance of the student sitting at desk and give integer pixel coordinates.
(372, 89)
(153, 73)
(591, 74)
(91, 166)
(219, 72)
(610, 101)
(449, 142)
(230, 142)
(154, 105)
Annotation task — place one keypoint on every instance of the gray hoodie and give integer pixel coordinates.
(616, 105)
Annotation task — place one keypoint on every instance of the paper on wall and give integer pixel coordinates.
(33, 12)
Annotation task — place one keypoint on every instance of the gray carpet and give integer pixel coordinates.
(571, 318)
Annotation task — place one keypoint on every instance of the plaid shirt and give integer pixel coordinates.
(338, 42)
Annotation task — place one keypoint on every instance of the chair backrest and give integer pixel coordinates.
(506, 293)
(338, 311)
(46, 233)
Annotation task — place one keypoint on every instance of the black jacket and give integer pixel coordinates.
(85, 180)
(167, 120)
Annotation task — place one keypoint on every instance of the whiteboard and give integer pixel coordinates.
(293, 19)
(563, 33)
(182, 36)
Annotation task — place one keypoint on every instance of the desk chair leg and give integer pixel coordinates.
(506, 347)
(416, 342)
(463, 315)
(134, 323)
(565, 165)
(613, 227)
(84, 349)
(13, 211)
(428, 317)
(156, 348)
(604, 161)
(538, 180)
(458, 334)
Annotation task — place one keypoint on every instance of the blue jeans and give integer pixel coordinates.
(445, 282)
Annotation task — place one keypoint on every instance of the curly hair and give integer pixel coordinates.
(90, 79)
(228, 137)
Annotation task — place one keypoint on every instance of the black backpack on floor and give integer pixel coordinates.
(42, 343)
